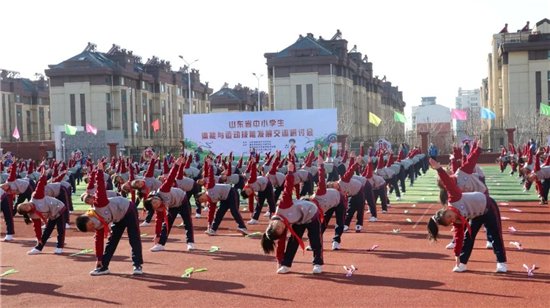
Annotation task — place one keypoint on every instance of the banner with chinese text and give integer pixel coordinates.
(265, 131)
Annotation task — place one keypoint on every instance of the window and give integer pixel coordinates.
(298, 96)
(121, 80)
(41, 124)
(73, 109)
(83, 110)
(19, 119)
(309, 96)
(538, 88)
(124, 111)
(108, 111)
(28, 123)
(161, 87)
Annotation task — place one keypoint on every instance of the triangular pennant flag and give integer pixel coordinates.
(70, 130)
(458, 114)
(487, 114)
(399, 117)
(16, 133)
(374, 119)
(545, 109)
(136, 127)
(156, 125)
(91, 129)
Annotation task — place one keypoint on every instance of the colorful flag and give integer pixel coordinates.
(545, 109)
(459, 114)
(156, 125)
(399, 117)
(16, 133)
(374, 119)
(91, 129)
(486, 113)
(70, 130)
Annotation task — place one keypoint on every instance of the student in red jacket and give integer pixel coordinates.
(122, 214)
(294, 216)
(168, 202)
(49, 210)
(477, 207)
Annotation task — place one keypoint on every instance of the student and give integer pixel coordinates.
(188, 183)
(330, 201)
(541, 174)
(226, 195)
(7, 211)
(144, 186)
(23, 188)
(353, 187)
(475, 206)
(168, 202)
(122, 214)
(261, 186)
(51, 211)
(294, 216)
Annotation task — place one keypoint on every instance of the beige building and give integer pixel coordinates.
(518, 82)
(316, 73)
(116, 91)
(24, 104)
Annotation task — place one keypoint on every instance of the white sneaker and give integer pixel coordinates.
(157, 247)
(252, 222)
(489, 245)
(267, 214)
(210, 231)
(308, 248)
(181, 225)
(317, 269)
(346, 228)
(501, 268)
(144, 224)
(205, 209)
(384, 211)
(461, 267)
(397, 198)
(373, 219)
(358, 228)
(198, 215)
(283, 269)
(67, 226)
(451, 245)
(190, 246)
(335, 246)
(137, 270)
(243, 231)
(58, 251)
(34, 251)
(8, 238)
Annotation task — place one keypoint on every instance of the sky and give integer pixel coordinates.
(424, 47)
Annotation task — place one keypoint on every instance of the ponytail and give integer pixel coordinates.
(433, 230)
(269, 237)
(268, 245)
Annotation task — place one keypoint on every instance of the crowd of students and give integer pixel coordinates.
(301, 194)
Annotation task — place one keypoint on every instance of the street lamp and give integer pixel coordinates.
(189, 79)
(258, 78)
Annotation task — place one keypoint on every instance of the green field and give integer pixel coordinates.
(502, 187)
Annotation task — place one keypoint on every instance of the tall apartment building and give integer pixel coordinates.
(469, 101)
(518, 82)
(25, 104)
(317, 73)
(117, 91)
